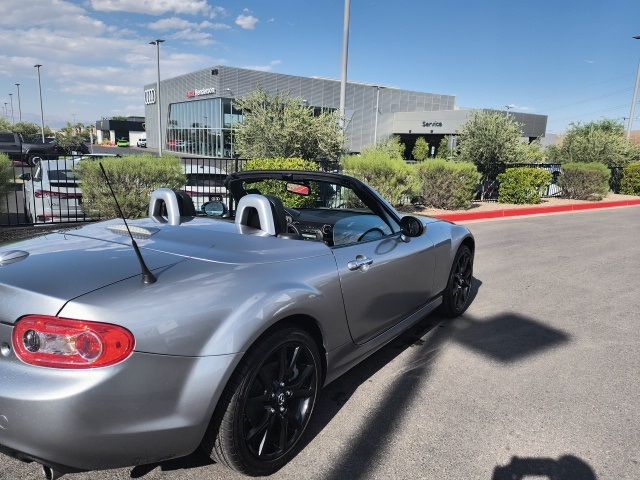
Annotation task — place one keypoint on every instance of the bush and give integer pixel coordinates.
(584, 181)
(278, 188)
(631, 179)
(421, 150)
(6, 174)
(448, 185)
(523, 185)
(132, 178)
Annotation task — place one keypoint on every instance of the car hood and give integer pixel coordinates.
(60, 267)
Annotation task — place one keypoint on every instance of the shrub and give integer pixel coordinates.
(523, 185)
(278, 188)
(390, 177)
(631, 179)
(421, 150)
(6, 174)
(448, 185)
(133, 179)
(584, 181)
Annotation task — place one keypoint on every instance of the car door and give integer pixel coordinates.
(10, 145)
(384, 280)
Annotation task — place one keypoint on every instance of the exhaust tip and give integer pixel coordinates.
(50, 474)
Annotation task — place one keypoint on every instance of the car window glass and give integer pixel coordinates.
(7, 137)
(61, 175)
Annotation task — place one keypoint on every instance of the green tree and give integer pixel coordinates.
(283, 126)
(392, 148)
(601, 141)
(444, 151)
(490, 140)
(531, 152)
(31, 131)
(420, 151)
(72, 137)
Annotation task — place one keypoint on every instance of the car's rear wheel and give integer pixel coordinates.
(33, 160)
(457, 296)
(267, 404)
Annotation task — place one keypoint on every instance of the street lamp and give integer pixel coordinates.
(508, 107)
(632, 114)
(157, 43)
(13, 120)
(37, 66)
(345, 60)
(19, 105)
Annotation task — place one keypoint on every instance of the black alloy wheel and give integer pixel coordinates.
(457, 296)
(267, 404)
(279, 401)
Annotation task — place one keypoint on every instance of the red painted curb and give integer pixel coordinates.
(522, 212)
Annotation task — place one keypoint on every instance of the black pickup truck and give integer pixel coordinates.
(30, 153)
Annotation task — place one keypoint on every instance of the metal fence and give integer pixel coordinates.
(489, 188)
(50, 193)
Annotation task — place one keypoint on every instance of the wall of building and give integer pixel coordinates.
(237, 82)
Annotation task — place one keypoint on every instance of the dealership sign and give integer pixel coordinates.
(431, 124)
(201, 91)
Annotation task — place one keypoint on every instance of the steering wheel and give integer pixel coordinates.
(291, 228)
(374, 229)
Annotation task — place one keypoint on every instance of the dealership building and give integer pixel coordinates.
(197, 112)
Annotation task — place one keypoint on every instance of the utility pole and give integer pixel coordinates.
(634, 101)
(345, 61)
(157, 43)
(37, 66)
(19, 105)
(375, 127)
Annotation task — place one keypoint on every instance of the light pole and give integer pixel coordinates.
(508, 107)
(375, 127)
(157, 43)
(345, 60)
(13, 120)
(37, 66)
(19, 106)
(634, 101)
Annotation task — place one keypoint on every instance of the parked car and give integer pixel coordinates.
(142, 143)
(204, 183)
(123, 142)
(16, 148)
(52, 192)
(225, 341)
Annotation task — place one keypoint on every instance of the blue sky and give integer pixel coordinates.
(574, 60)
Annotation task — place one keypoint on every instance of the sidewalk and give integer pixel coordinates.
(488, 210)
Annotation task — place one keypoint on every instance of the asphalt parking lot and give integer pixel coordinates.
(539, 379)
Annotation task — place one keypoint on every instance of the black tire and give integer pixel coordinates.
(457, 296)
(273, 390)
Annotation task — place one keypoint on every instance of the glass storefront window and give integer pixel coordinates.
(202, 127)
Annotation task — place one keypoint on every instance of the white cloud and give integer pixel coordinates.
(246, 22)
(157, 7)
(176, 23)
(264, 68)
(194, 36)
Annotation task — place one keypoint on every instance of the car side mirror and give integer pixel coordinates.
(25, 177)
(411, 226)
(214, 208)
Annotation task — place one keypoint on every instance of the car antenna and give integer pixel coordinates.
(147, 276)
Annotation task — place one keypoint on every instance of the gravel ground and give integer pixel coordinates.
(538, 380)
(10, 235)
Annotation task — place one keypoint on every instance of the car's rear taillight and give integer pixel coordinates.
(52, 194)
(64, 343)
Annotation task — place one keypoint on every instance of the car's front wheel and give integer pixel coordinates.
(267, 404)
(457, 296)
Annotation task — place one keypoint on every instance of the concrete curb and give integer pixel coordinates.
(523, 212)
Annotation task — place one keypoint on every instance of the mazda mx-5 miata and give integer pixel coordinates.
(212, 329)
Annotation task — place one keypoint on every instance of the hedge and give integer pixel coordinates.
(523, 185)
(278, 188)
(6, 173)
(584, 181)
(132, 178)
(392, 178)
(631, 179)
(448, 185)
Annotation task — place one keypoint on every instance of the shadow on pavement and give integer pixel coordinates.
(567, 467)
(506, 337)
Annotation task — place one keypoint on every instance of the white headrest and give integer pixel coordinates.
(167, 197)
(262, 206)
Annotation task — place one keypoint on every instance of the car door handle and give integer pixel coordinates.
(360, 263)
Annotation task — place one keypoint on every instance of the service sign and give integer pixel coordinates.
(200, 91)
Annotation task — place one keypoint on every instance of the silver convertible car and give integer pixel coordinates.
(213, 329)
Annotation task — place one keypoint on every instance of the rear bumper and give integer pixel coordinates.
(147, 409)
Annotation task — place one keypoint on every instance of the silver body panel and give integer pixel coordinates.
(220, 287)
